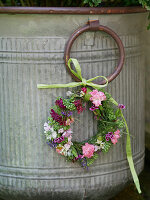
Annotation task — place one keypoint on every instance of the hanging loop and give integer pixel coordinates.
(93, 25)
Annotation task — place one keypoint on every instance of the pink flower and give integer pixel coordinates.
(93, 108)
(68, 145)
(67, 133)
(88, 150)
(97, 97)
(117, 133)
(115, 137)
(59, 150)
(121, 106)
(69, 121)
(84, 89)
(114, 140)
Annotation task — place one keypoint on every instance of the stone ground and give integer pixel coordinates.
(130, 193)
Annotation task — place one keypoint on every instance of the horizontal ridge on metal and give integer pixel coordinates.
(72, 10)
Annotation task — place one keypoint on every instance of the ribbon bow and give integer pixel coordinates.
(77, 73)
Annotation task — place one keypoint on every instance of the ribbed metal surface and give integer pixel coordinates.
(28, 168)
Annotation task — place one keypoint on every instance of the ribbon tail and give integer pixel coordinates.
(130, 158)
(129, 152)
(131, 164)
(73, 84)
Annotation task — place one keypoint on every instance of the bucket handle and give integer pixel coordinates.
(93, 25)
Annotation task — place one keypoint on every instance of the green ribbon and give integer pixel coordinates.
(129, 152)
(77, 73)
(88, 82)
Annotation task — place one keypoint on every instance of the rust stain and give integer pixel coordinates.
(71, 10)
(109, 11)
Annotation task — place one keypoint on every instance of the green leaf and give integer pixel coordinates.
(113, 101)
(87, 95)
(90, 161)
(74, 152)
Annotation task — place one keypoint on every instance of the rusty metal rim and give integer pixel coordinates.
(93, 25)
(72, 10)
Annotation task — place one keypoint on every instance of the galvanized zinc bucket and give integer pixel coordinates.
(31, 52)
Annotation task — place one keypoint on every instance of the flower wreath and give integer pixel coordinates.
(108, 113)
(58, 130)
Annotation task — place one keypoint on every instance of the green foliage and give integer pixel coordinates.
(109, 119)
(56, 125)
(106, 147)
(64, 141)
(92, 3)
(90, 161)
(74, 152)
(145, 3)
(120, 123)
(68, 103)
(78, 147)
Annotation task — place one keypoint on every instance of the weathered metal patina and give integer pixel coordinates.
(31, 52)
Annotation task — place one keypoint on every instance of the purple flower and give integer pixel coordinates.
(57, 117)
(63, 113)
(60, 103)
(109, 136)
(78, 157)
(121, 106)
(78, 105)
(59, 140)
(84, 163)
(69, 114)
(94, 108)
(52, 144)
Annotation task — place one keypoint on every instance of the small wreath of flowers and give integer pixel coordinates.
(58, 131)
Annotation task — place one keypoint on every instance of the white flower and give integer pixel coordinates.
(69, 138)
(69, 153)
(102, 144)
(51, 129)
(82, 94)
(54, 135)
(98, 141)
(69, 93)
(48, 137)
(65, 152)
(67, 146)
(61, 130)
(46, 126)
(97, 148)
